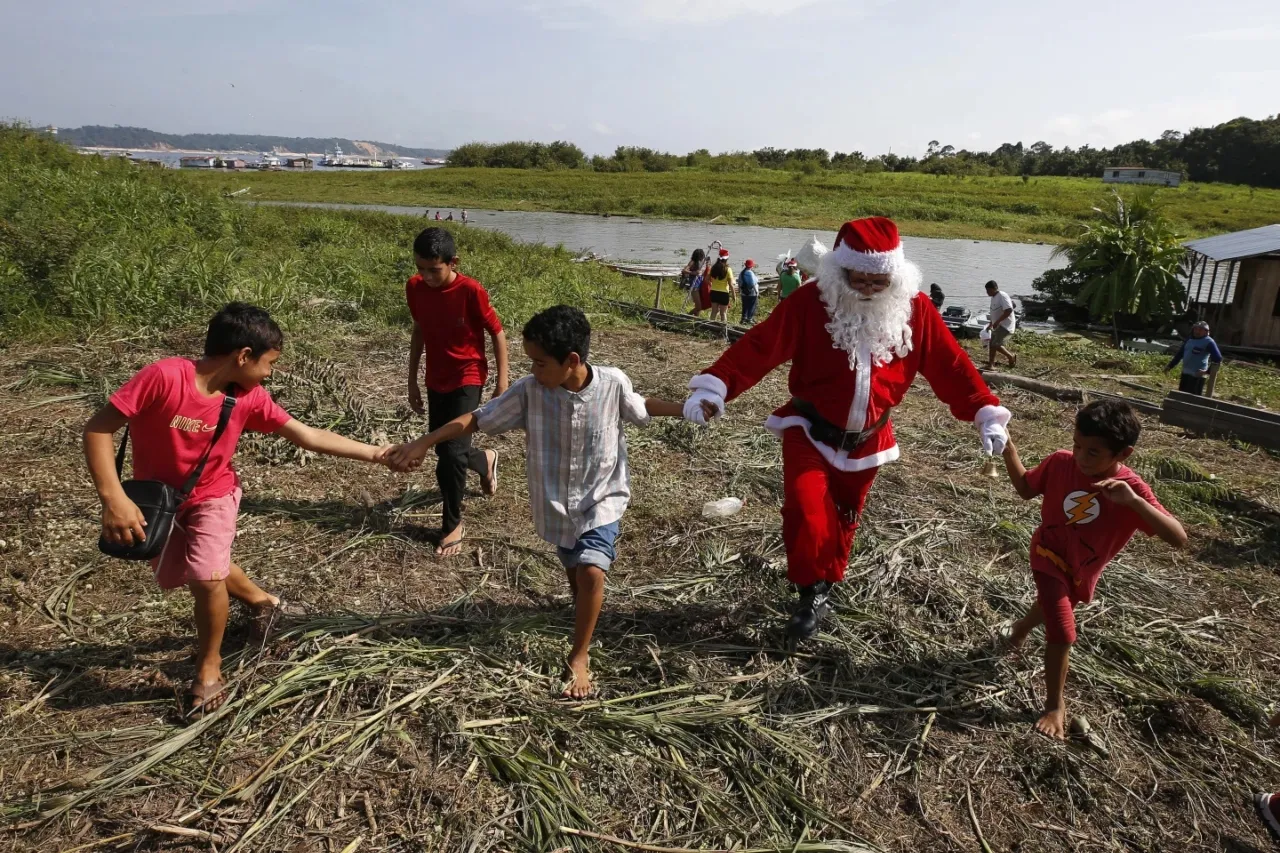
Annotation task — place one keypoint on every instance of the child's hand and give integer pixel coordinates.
(381, 453)
(122, 522)
(406, 457)
(710, 411)
(1119, 492)
(415, 398)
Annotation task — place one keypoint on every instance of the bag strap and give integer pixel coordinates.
(224, 417)
(124, 442)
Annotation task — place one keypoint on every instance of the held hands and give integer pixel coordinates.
(702, 407)
(1119, 492)
(406, 457)
(122, 522)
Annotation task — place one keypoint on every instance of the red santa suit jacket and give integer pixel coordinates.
(820, 374)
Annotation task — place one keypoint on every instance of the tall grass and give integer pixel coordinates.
(999, 208)
(88, 243)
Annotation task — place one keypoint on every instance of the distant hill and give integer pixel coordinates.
(140, 137)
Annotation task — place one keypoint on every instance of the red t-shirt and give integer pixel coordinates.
(454, 320)
(1081, 528)
(171, 424)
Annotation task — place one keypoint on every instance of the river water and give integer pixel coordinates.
(961, 267)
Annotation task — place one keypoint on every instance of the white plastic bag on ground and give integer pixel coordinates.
(810, 255)
(722, 508)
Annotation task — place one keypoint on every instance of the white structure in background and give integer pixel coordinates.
(202, 162)
(1139, 175)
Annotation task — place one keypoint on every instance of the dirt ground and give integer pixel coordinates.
(415, 707)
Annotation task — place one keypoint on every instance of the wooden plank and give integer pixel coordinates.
(1144, 406)
(1044, 389)
(1183, 398)
(1263, 433)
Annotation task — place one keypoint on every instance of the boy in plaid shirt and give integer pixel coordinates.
(572, 413)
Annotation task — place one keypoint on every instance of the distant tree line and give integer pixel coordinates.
(101, 136)
(1241, 151)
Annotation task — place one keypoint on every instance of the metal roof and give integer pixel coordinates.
(1240, 245)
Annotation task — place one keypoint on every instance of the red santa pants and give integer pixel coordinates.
(820, 510)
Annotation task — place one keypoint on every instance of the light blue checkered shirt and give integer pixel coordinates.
(576, 451)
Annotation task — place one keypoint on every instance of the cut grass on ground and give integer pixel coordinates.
(996, 208)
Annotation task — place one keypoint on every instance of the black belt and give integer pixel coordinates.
(830, 434)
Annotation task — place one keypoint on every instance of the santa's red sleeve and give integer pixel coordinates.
(947, 367)
(759, 351)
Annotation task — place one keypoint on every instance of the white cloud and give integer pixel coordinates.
(1245, 34)
(672, 11)
(975, 135)
(602, 128)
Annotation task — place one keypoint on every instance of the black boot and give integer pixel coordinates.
(814, 604)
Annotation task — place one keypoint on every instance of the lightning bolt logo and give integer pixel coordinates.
(1081, 507)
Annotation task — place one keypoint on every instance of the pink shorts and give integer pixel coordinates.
(199, 548)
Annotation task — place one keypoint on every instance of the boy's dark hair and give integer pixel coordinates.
(435, 244)
(560, 330)
(239, 325)
(1113, 421)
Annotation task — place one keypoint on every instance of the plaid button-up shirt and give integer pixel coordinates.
(576, 451)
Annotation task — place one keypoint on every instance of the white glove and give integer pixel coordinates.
(991, 422)
(693, 406)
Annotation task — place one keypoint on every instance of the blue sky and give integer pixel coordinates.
(868, 75)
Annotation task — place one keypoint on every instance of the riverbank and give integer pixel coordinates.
(1040, 209)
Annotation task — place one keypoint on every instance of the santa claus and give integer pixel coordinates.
(856, 338)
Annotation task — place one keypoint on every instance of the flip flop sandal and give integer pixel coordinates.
(265, 619)
(1262, 803)
(200, 696)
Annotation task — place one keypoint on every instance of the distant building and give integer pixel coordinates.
(1233, 282)
(1140, 175)
(230, 163)
(202, 162)
(300, 163)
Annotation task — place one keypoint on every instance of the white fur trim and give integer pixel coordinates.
(869, 262)
(840, 460)
(707, 382)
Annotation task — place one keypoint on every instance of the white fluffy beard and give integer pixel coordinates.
(882, 323)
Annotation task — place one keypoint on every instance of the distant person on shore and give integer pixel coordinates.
(936, 296)
(1000, 323)
(789, 278)
(572, 413)
(1093, 504)
(464, 217)
(449, 218)
(691, 279)
(438, 218)
(451, 316)
(173, 409)
(1195, 354)
(750, 287)
(723, 287)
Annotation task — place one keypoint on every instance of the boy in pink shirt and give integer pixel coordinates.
(1093, 504)
(172, 408)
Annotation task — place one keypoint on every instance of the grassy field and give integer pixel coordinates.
(414, 707)
(1042, 209)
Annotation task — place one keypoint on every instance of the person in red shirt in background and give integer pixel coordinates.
(172, 408)
(1093, 504)
(451, 316)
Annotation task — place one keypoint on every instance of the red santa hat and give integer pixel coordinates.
(724, 254)
(869, 245)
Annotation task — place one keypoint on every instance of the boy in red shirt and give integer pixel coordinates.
(1092, 505)
(451, 315)
(172, 409)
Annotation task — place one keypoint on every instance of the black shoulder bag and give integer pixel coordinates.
(159, 501)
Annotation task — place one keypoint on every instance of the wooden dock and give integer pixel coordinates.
(1208, 416)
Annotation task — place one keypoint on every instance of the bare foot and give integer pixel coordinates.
(1013, 361)
(579, 686)
(451, 544)
(489, 482)
(1053, 724)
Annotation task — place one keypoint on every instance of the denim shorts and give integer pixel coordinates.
(593, 548)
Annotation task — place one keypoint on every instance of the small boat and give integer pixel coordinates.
(268, 160)
(955, 317)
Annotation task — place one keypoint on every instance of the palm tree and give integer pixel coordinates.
(1129, 259)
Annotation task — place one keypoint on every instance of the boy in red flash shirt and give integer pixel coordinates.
(1093, 504)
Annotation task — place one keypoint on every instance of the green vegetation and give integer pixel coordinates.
(1241, 151)
(1127, 260)
(1041, 209)
(87, 243)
